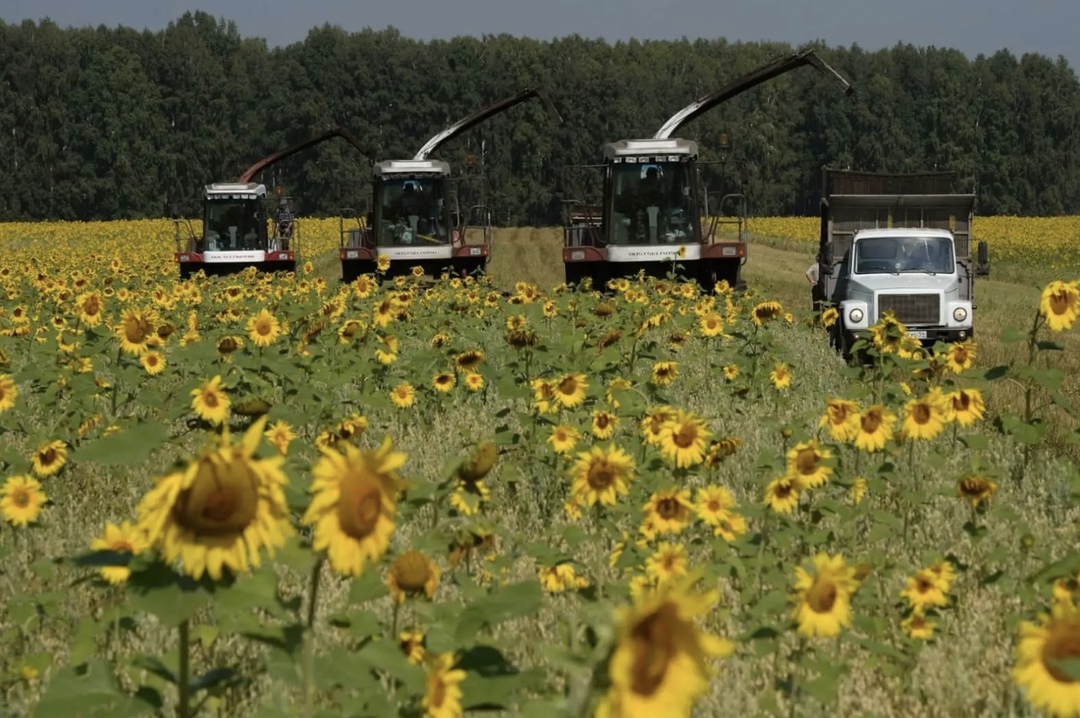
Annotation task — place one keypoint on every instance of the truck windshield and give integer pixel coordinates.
(232, 225)
(892, 255)
(413, 212)
(652, 204)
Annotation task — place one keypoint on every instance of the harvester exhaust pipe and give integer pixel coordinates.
(486, 112)
(748, 81)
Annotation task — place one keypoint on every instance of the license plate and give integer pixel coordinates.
(917, 334)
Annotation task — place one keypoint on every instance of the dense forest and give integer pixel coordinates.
(116, 123)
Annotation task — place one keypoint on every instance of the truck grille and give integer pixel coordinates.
(911, 308)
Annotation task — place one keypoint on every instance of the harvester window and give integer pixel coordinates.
(413, 212)
(231, 226)
(652, 204)
(875, 255)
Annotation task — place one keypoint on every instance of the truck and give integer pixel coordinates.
(899, 244)
(653, 201)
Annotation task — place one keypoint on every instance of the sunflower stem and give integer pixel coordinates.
(183, 681)
(309, 639)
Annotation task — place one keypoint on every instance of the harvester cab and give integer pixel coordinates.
(415, 218)
(239, 229)
(650, 219)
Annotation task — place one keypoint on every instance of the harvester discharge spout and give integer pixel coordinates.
(750, 80)
(484, 113)
(291, 150)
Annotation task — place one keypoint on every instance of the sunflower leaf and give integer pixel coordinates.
(128, 446)
(507, 602)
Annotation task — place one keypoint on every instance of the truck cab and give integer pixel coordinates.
(912, 273)
(899, 244)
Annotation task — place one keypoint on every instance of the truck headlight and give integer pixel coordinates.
(855, 316)
(959, 314)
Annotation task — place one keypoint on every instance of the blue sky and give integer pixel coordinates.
(1050, 27)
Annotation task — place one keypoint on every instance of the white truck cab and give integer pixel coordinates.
(899, 244)
(914, 274)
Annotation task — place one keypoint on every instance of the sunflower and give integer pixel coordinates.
(210, 402)
(829, 317)
(842, 418)
(652, 424)
(857, 491)
(766, 312)
(782, 495)
(136, 328)
(960, 356)
(544, 396)
(229, 344)
(658, 664)
(263, 329)
(153, 362)
(731, 372)
(618, 384)
(411, 644)
(473, 382)
(964, 406)
(382, 263)
(21, 500)
(122, 538)
(90, 307)
(670, 510)
(604, 424)
(220, 510)
(665, 372)
(711, 325)
(976, 489)
(876, 425)
(279, 434)
(720, 449)
(412, 573)
(469, 361)
(805, 464)
(918, 626)
(780, 376)
(49, 458)
(563, 577)
(563, 438)
(442, 698)
(599, 475)
(683, 439)
(354, 504)
(731, 526)
(1043, 648)
(444, 381)
(570, 390)
(945, 573)
(668, 562)
(403, 395)
(923, 418)
(923, 590)
(1060, 304)
(713, 504)
(824, 596)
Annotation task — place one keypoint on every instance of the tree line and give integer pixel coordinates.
(114, 123)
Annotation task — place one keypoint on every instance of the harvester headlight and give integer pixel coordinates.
(959, 314)
(855, 315)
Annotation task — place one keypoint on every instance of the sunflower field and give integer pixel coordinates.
(1052, 243)
(278, 495)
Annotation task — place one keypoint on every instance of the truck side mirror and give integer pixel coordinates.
(983, 269)
(827, 259)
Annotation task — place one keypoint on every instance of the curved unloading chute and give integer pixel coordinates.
(484, 113)
(276, 157)
(746, 82)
